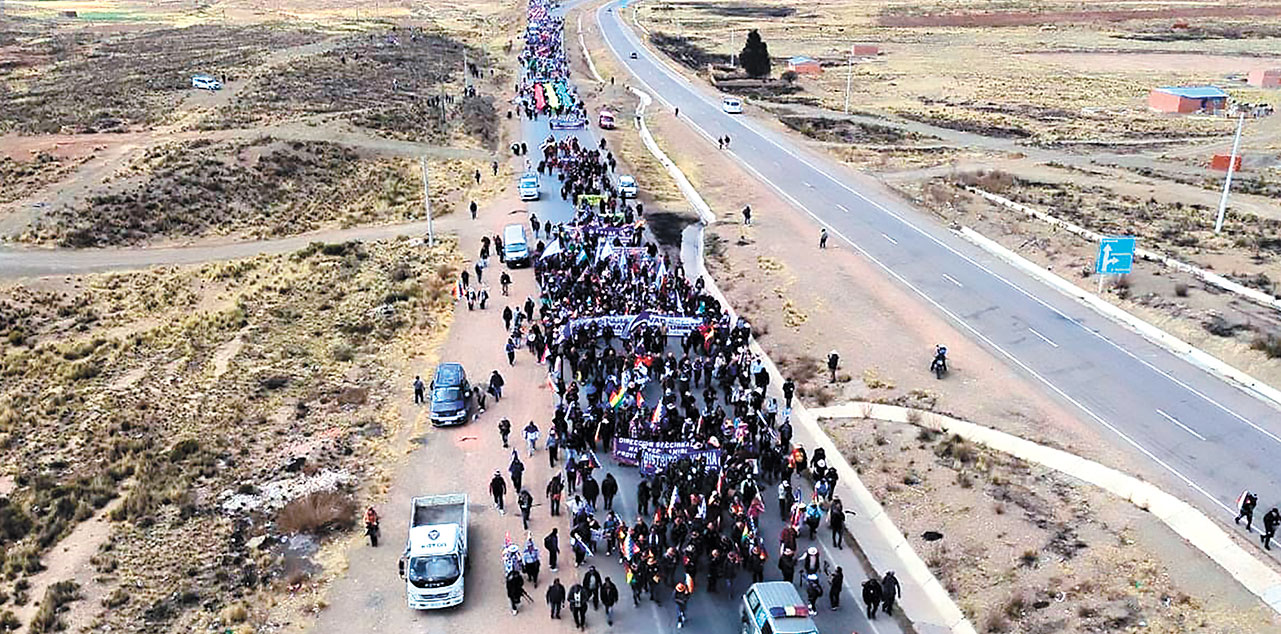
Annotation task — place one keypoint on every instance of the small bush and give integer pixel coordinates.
(1269, 345)
(117, 598)
(48, 617)
(9, 622)
(318, 512)
(1181, 290)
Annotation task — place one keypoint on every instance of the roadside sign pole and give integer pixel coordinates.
(431, 235)
(849, 76)
(1227, 183)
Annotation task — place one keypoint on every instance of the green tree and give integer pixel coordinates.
(755, 56)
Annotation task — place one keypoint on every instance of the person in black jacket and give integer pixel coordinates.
(515, 589)
(551, 543)
(578, 605)
(1247, 509)
(890, 590)
(526, 503)
(592, 584)
(1270, 522)
(609, 488)
(872, 596)
(609, 596)
(556, 597)
(498, 488)
(555, 489)
(591, 491)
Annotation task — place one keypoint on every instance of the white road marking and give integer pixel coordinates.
(892, 240)
(807, 184)
(842, 208)
(1181, 425)
(953, 280)
(1043, 337)
(673, 76)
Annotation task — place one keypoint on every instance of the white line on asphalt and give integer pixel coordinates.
(1181, 425)
(807, 184)
(956, 318)
(1043, 337)
(842, 208)
(952, 280)
(892, 240)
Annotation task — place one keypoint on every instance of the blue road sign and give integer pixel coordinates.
(1116, 255)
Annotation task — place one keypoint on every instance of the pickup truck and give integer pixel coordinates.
(435, 557)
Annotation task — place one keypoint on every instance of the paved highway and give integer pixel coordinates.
(1210, 437)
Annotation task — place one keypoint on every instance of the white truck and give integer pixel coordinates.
(435, 556)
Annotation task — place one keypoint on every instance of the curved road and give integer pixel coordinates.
(1210, 436)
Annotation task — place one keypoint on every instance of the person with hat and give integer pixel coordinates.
(681, 596)
(498, 488)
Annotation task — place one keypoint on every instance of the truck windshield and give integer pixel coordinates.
(433, 572)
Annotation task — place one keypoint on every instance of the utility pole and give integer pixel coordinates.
(1227, 183)
(431, 235)
(849, 77)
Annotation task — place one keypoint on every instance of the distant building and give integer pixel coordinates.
(1220, 162)
(1186, 99)
(866, 50)
(1265, 78)
(803, 65)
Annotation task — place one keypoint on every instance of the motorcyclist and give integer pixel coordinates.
(939, 364)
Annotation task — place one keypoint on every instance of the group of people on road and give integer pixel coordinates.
(642, 357)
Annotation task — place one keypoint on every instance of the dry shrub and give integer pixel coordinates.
(993, 181)
(47, 618)
(1181, 289)
(318, 512)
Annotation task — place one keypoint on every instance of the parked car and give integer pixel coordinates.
(607, 120)
(633, 54)
(451, 395)
(627, 186)
(732, 105)
(205, 82)
(515, 246)
(528, 187)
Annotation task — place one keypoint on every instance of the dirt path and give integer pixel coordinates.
(71, 559)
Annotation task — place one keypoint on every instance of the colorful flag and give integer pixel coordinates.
(658, 414)
(617, 398)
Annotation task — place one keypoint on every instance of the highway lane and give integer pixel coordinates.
(1207, 435)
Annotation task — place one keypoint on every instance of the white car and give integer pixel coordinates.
(732, 105)
(528, 187)
(627, 186)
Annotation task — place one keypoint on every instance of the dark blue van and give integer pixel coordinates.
(451, 395)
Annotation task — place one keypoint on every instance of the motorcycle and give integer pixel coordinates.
(939, 365)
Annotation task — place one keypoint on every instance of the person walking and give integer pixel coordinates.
(420, 391)
(833, 360)
(504, 430)
(1270, 522)
(681, 597)
(822, 238)
(578, 605)
(747, 215)
(609, 488)
(515, 589)
(890, 591)
(507, 316)
(872, 596)
(555, 489)
(608, 598)
(592, 584)
(551, 543)
(506, 281)
(787, 566)
(555, 597)
(836, 519)
(531, 437)
(789, 390)
(837, 581)
(498, 488)
(1248, 502)
(517, 470)
(496, 384)
(530, 561)
(511, 351)
(473, 208)
(591, 491)
(525, 502)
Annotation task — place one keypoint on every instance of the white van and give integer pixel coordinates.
(205, 82)
(732, 105)
(515, 246)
